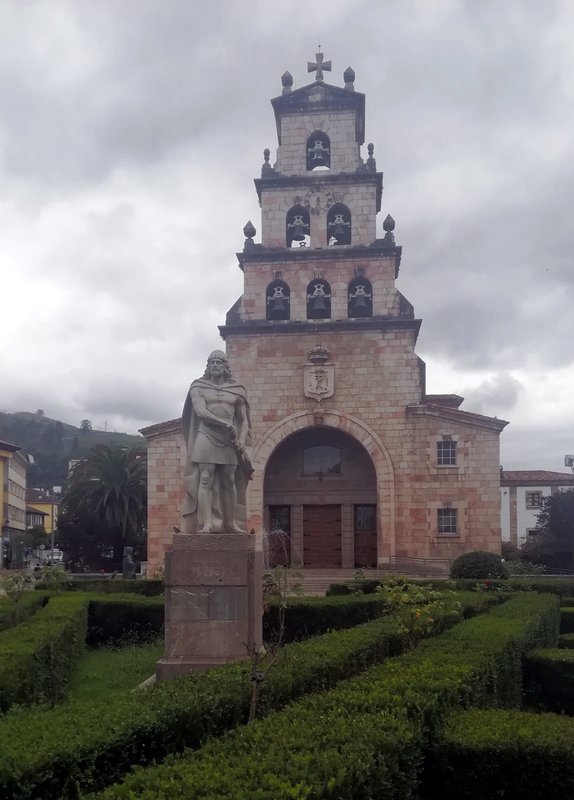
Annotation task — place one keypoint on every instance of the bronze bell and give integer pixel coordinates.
(278, 306)
(319, 304)
(298, 233)
(359, 303)
(340, 230)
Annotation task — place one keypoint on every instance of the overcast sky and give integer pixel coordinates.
(131, 131)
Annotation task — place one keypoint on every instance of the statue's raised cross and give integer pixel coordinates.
(319, 66)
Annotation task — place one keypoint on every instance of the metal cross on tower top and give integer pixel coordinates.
(319, 66)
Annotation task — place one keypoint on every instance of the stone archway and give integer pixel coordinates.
(358, 430)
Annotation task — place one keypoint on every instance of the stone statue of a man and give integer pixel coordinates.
(216, 427)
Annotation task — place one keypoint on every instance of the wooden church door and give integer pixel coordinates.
(322, 536)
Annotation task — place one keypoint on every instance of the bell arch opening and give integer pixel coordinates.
(320, 502)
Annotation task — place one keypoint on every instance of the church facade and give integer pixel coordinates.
(355, 464)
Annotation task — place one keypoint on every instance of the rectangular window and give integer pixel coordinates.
(533, 499)
(365, 519)
(447, 520)
(280, 518)
(446, 453)
(532, 532)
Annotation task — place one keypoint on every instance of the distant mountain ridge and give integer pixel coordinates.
(53, 444)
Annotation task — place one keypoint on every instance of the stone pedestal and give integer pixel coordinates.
(213, 601)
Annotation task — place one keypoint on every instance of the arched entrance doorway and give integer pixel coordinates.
(320, 501)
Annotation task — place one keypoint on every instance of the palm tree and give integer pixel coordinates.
(111, 484)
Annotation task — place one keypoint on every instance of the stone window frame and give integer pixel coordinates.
(324, 137)
(446, 449)
(461, 507)
(357, 280)
(530, 503)
(433, 452)
(333, 210)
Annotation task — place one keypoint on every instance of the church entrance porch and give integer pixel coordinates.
(320, 501)
(322, 545)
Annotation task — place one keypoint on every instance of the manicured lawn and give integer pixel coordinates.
(113, 669)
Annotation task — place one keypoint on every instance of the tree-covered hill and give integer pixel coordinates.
(53, 443)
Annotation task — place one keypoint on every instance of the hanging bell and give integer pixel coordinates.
(319, 304)
(340, 230)
(298, 233)
(359, 303)
(278, 306)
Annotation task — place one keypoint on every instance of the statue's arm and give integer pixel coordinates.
(242, 422)
(200, 408)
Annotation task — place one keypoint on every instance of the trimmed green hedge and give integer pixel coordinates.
(149, 588)
(13, 613)
(118, 619)
(52, 754)
(365, 737)
(510, 754)
(549, 679)
(38, 656)
(311, 616)
(564, 587)
(566, 620)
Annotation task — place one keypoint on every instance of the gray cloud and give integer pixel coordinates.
(129, 139)
(495, 395)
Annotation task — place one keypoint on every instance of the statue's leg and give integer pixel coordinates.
(229, 498)
(206, 476)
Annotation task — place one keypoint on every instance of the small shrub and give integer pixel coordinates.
(478, 564)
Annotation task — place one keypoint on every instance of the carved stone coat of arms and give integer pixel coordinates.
(319, 381)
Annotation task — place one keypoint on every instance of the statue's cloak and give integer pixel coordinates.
(190, 424)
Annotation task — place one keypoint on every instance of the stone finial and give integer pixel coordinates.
(349, 78)
(389, 227)
(371, 164)
(266, 168)
(249, 232)
(318, 354)
(286, 82)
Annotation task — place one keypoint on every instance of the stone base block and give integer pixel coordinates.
(213, 602)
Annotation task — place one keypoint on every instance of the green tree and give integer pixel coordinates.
(86, 425)
(110, 485)
(554, 543)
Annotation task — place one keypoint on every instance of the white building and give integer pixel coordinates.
(521, 495)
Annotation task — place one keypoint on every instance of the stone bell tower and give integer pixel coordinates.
(348, 444)
(354, 463)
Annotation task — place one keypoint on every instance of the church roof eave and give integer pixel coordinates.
(456, 415)
(161, 428)
(334, 98)
(280, 181)
(258, 253)
(251, 327)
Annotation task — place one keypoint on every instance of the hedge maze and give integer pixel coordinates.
(377, 702)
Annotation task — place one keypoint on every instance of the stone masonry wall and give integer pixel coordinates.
(165, 458)
(360, 199)
(296, 129)
(380, 270)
